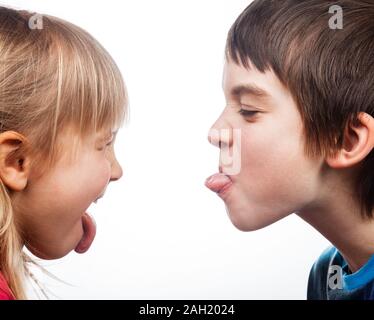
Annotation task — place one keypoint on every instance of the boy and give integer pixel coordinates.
(300, 93)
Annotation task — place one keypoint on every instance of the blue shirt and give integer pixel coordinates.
(331, 279)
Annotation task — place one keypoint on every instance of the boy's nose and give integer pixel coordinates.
(213, 137)
(220, 134)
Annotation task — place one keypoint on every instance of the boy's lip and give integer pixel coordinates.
(220, 170)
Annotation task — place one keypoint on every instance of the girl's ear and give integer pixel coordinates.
(357, 144)
(14, 166)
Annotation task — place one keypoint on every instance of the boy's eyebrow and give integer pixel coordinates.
(251, 90)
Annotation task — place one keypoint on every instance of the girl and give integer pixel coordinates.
(62, 100)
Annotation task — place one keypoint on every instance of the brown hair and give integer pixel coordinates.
(52, 78)
(329, 72)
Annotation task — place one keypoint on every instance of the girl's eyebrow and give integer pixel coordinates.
(112, 134)
(107, 135)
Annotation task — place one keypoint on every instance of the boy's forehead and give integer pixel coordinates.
(239, 80)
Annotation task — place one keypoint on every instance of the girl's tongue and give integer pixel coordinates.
(89, 232)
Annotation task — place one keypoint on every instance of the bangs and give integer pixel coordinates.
(264, 37)
(91, 94)
(247, 39)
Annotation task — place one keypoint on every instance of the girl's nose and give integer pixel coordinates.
(117, 171)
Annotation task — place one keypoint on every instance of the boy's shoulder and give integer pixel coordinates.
(318, 276)
(330, 279)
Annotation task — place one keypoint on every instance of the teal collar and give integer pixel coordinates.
(361, 277)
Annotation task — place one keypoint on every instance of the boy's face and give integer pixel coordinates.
(51, 209)
(275, 177)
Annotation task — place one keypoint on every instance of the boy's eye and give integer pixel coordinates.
(247, 113)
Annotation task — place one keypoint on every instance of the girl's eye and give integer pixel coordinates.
(109, 144)
(106, 145)
(247, 113)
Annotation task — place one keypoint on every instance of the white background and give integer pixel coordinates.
(161, 234)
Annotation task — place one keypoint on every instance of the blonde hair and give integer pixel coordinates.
(51, 78)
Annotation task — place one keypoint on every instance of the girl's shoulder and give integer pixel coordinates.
(5, 293)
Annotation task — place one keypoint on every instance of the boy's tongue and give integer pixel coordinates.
(217, 182)
(89, 232)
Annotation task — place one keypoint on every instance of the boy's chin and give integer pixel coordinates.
(250, 221)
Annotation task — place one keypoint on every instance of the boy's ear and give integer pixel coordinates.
(14, 166)
(357, 144)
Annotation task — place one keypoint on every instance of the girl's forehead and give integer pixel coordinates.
(70, 135)
(108, 132)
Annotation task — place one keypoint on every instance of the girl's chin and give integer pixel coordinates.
(79, 239)
(50, 253)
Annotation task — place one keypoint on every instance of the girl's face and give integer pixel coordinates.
(51, 209)
(269, 176)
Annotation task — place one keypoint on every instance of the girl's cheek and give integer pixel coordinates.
(105, 173)
(98, 177)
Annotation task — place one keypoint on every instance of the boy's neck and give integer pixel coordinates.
(337, 217)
